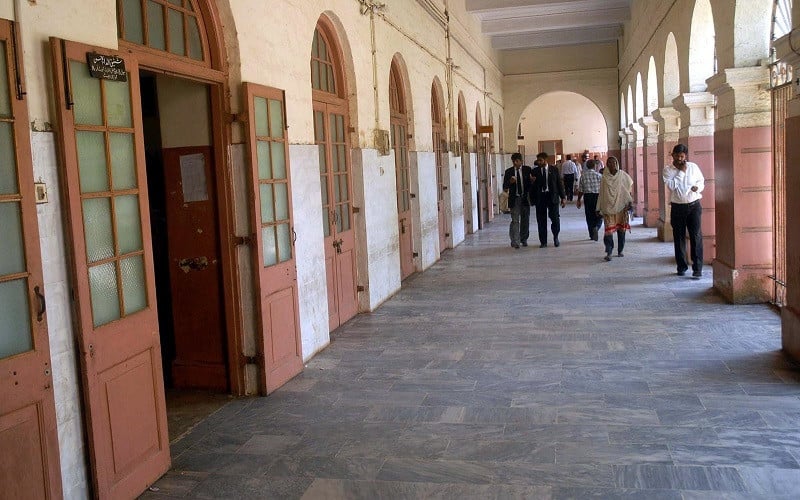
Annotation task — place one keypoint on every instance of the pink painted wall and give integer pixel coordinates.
(652, 172)
(664, 156)
(638, 181)
(744, 214)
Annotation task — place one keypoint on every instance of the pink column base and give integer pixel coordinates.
(741, 286)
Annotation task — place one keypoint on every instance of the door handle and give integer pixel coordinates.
(337, 244)
(42, 304)
(294, 236)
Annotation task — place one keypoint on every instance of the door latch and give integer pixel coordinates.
(337, 244)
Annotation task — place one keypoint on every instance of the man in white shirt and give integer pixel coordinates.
(570, 173)
(685, 182)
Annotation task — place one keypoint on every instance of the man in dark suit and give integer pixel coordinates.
(548, 192)
(517, 182)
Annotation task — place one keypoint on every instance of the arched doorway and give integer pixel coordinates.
(331, 126)
(149, 212)
(399, 136)
(440, 155)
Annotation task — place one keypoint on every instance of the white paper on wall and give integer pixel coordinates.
(193, 177)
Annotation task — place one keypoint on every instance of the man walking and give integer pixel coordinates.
(685, 182)
(589, 190)
(569, 172)
(517, 182)
(548, 191)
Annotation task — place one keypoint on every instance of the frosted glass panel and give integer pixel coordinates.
(275, 118)
(155, 26)
(129, 224)
(92, 161)
(132, 14)
(315, 75)
(12, 251)
(86, 95)
(284, 243)
(323, 162)
(278, 161)
(195, 45)
(281, 202)
(336, 192)
(105, 298)
(324, 181)
(134, 290)
(176, 2)
(344, 195)
(260, 116)
(331, 81)
(267, 204)
(15, 329)
(176, 45)
(344, 213)
(319, 126)
(118, 103)
(97, 228)
(340, 149)
(5, 95)
(8, 160)
(326, 222)
(268, 245)
(123, 166)
(264, 160)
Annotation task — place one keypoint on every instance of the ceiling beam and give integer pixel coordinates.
(552, 22)
(597, 34)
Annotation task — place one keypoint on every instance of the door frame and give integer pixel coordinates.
(216, 78)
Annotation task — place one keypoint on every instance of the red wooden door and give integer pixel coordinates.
(194, 269)
(29, 461)
(440, 154)
(330, 135)
(490, 178)
(274, 256)
(102, 155)
(402, 170)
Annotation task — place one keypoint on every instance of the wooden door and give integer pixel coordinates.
(274, 256)
(330, 135)
(194, 269)
(440, 155)
(105, 188)
(403, 179)
(29, 461)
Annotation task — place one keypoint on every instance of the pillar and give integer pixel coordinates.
(697, 132)
(637, 168)
(742, 145)
(669, 124)
(650, 166)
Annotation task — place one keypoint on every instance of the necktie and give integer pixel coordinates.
(544, 169)
(519, 183)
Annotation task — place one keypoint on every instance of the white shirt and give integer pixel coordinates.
(569, 167)
(681, 183)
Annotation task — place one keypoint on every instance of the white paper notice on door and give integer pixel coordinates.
(193, 177)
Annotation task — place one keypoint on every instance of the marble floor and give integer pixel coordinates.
(531, 374)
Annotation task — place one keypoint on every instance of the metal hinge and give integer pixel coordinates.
(251, 360)
(360, 288)
(415, 254)
(243, 240)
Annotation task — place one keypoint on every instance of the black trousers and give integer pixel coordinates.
(686, 217)
(546, 208)
(608, 241)
(569, 184)
(593, 221)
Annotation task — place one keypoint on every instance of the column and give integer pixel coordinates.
(623, 150)
(697, 132)
(637, 168)
(743, 145)
(790, 312)
(651, 165)
(669, 124)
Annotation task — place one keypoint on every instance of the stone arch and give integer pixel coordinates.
(463, 125)
(629, 107)
(751, 32)
(702, 52)
(585, 127)
(639, 99)
(335, 28)
(652, 87)
(622, 116)
(399, 65)
(672, 77)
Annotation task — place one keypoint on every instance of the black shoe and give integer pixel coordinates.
(543, 245)
(556, 242)
(697, 275)
(607, 258)
(620, 254)
(681, 273)
(524, 243)
(515, 245)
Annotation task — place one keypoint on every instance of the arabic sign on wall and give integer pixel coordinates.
(106, 67)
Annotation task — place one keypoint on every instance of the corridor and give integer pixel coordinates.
(531, 373)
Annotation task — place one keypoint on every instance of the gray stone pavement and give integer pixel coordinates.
(530, 373)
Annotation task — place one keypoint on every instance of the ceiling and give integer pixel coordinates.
(526, 24)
